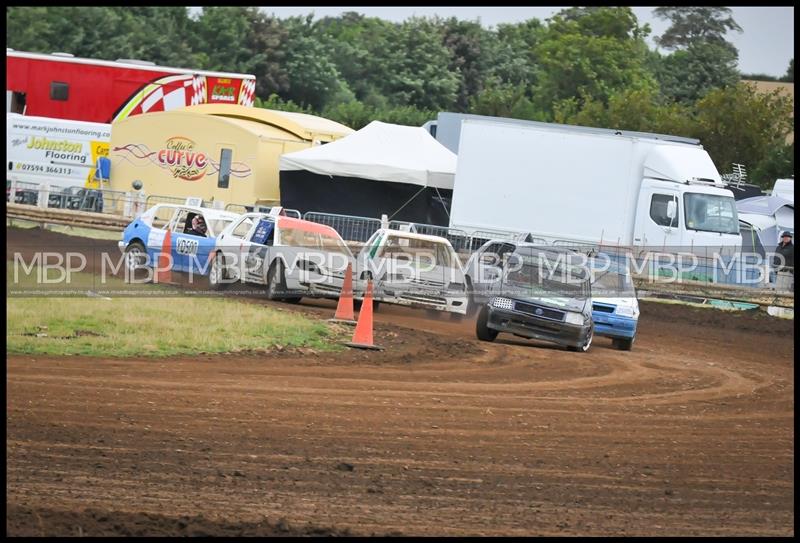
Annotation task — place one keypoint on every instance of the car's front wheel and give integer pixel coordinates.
(217, 277)
(623, 344)
(586, 344)
(482, 329)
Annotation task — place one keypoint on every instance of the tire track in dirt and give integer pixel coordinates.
(691, 433)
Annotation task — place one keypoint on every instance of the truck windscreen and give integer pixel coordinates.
(710, 213)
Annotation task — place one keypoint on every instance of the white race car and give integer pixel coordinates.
(414, 270)
(293, 258)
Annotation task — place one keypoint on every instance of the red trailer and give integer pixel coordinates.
(62, 86)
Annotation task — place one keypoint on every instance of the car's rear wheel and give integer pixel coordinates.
(482, 329)
(275, 282)
(135, 261)
(623, 344)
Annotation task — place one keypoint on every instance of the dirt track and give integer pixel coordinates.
(691, 433)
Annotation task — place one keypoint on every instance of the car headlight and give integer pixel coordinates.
(502, 303)
(458, 287)
(575, 318)
(626, 311)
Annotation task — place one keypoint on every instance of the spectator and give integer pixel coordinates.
(784, 262)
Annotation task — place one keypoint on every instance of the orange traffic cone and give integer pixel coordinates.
(163, 271)
(344, 311)
(362, 337)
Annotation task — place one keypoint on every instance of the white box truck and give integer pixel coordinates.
(58, 152)
(590, 185)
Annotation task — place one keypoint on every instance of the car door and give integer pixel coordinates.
(257, 250)
(234, 244)
(187, 251)
(155, 239)
(658, 220)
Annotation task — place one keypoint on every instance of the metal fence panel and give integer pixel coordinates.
(351, 228)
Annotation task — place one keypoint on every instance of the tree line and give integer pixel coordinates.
(585, 65)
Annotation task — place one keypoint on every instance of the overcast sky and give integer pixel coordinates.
(766, 43)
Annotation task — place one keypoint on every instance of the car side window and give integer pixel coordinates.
(491, 255)
(241, 229)
(658, 210)
(179, 224)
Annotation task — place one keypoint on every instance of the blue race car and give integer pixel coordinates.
(615, 309)
(192, 230)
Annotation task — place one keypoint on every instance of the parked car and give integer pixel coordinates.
(537, 293)
(77, 198)
(293, 258)
(414, 270)
(22, 196)
(615, 309)
(143, 238)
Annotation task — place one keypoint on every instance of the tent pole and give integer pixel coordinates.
(442, 202)
(408, 202)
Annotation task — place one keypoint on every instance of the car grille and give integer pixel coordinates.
(421, 298)
(438, 285)
(603, 308)
(539, 311)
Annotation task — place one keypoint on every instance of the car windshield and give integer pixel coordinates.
(710, 213)
(426, 253)
(538, 273)
(335, 244)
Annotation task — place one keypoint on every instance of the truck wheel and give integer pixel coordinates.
(623, 344)
(481, 329)
(588, 343)
(217, 277)
(135, 260)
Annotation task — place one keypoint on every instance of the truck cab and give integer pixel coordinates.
(683, 205)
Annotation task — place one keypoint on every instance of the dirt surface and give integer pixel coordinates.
(690, 433)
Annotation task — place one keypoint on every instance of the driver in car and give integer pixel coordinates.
(199, 227)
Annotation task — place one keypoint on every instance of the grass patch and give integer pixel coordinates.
(155, 326)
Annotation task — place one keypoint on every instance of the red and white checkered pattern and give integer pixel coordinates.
(247, 92)
(199, 87)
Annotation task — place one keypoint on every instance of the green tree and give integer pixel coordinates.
(513, 53)
(591, 53)
(739, 124)
(420, 74)
(687, 75)
(314, 79)
(505, 100)
(636, 110)
(695, 24)
(163, 35)
(776, 164)
(467, 42)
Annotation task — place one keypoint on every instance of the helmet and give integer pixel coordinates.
(199, 224)
(786, 234)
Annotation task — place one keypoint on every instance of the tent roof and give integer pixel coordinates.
(381, 152)
(760, 222)
(307, 127)
(763, 205)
